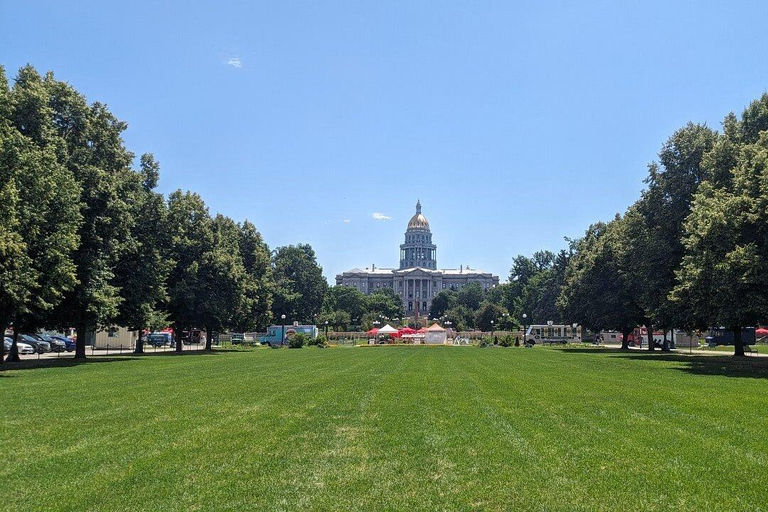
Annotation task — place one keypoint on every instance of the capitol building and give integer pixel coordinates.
(418, 279)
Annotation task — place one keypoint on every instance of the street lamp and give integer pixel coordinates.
(549, 330)
(575, 325)
(282, 331)
(491, 330)
(524, 317)
(326, 330)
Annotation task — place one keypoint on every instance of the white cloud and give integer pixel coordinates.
(347, 221)
(380, 216)
(235, 62)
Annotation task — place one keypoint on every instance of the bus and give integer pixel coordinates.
(722, 336)
(552, 334)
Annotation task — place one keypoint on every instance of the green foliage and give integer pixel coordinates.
(319, 341)
(470, 296)
(488, 313)
(300, 285)
(443, 302)
(298, 340)
(598, 292)
(253, 311)
(385, 302)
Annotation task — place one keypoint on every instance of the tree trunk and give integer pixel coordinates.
(665, 344)
(650, 338)
(177, 334)
(13, 356)
(139, 343)
(738, 343)
(625, 338)
(208, 338)
(80, 344)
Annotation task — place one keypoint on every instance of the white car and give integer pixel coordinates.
(23, 347)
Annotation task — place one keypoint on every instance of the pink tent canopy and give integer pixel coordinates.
(762, 331)
(374, 331)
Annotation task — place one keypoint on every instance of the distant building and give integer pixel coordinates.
(418, 279)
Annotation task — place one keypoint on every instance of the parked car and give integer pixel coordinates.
(56, 344)
(159, 339)
(24, 348)
(69, 343)
(39, 345)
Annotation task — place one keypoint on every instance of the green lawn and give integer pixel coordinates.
(388, 428)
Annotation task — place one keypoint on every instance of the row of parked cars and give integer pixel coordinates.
(40, 343)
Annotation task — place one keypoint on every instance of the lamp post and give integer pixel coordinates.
(282, 331)
(549, 330)
(326, 330)
(491, 330)
(575, 325)
(524, 317)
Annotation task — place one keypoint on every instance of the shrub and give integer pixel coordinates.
(319, 341)
(506, 341)
(298, 340)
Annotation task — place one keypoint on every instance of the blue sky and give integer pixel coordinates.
(515, 123)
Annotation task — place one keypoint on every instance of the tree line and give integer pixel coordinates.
(87, 242)
(690, 253)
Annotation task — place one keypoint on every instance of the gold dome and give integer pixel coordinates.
(418, 221)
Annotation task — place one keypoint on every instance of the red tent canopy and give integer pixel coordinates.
(761, 332)
(422, 330)
(373, 331)
(407, 330)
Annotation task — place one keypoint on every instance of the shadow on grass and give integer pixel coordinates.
(719, 365)
(33, 364)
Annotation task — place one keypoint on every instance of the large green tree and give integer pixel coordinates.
(144, 263)
(654, 224)
(40, 198)
(221, 278)
(256, 300)
(597, 292)
(92, 150)
(192, 235)
(300, 285)
(724, 274)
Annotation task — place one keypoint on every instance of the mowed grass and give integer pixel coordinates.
(388, 428)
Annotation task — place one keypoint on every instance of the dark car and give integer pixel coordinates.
(159, 339)
(69, 343)
(38, 344)
(56, 344)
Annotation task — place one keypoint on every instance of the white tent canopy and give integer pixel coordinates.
(387, 329)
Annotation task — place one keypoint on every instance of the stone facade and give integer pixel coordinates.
(418, 279)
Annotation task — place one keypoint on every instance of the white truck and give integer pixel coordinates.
(561, 334)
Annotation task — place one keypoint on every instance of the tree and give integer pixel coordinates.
(654, 224)
(92, 149)
(254, 309)
(192, 235)
(300, 285)
(470, 296)
(41, 212)
(487, 317)
(442, 302)
(386, 302)
(221, 278)
(144, 266)
(724, 274)
(460, 317)
(346, 298)
(597, 293)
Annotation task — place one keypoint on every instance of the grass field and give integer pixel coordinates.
(395, 428)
